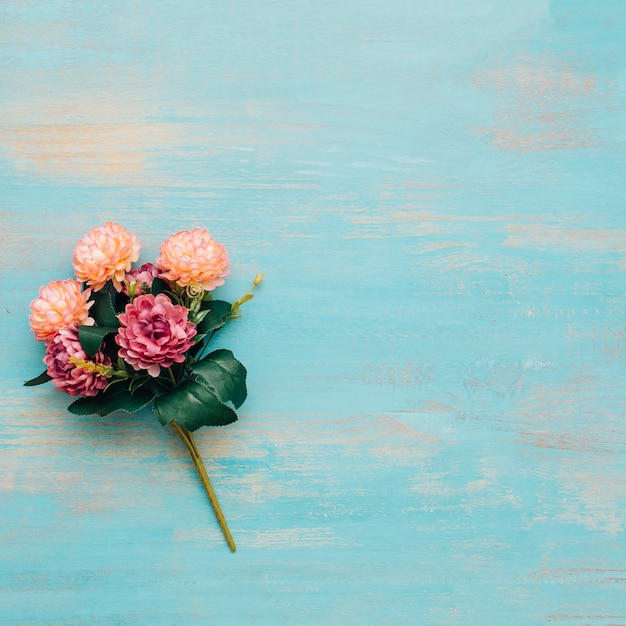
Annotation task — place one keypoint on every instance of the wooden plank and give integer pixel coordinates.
(435, 427)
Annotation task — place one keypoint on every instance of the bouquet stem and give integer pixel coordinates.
(187, 438)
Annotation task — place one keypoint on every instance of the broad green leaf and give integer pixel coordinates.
(102, 310)
(193, 405)
(115, 398)
(38, 380)
(223, 373)
(218, 311)
(91, 337)
(159, 286)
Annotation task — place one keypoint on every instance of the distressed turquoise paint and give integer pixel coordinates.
(435, 427)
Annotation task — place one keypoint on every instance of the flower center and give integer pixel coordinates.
(157, 328)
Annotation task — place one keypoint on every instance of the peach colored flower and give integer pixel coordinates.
(61, 303)
(193, 257)
(105, 253)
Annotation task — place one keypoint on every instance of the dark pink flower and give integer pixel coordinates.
(62, 353)
(139, 280)
(154, 333)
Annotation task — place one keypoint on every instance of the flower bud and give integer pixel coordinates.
(194, 290)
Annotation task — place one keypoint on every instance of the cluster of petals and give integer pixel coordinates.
(61, 303)
(154, 333)
(105, 253)
(67, 376)
(139, 280)
(193, 258)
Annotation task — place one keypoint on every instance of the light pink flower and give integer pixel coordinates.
(61, 303)
(105, 253)
(139, 280)
(67, 376)
(154, 333)
(193, 257)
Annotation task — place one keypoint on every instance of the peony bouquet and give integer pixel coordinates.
(119, 337)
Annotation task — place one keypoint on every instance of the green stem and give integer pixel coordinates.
(187, 438)
(206, 341)
(172, 377)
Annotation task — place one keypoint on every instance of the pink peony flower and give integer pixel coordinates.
(68, 376)
(105, 253)
(139, 280)
(193, 257)
(61, 303)
(154, 333)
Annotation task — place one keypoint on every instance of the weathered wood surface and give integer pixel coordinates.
(435, 431)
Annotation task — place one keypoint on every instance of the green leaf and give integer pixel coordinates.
(38, 380)
(102, 310)
(138, 381)
(91, 337)
(159, 286)
(223, 373)
(199, 316)
(115, 398)
(218, 310)
(193, 405)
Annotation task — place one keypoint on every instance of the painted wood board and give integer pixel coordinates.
(435, 427)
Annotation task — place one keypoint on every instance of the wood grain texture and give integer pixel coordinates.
(435, 427)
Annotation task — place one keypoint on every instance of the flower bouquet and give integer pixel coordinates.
(122, 337)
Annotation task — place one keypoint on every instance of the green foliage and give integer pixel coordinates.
(91, 337)
(224, 374)
(193, 405)
(216, 316)
(114, 398)
(38, 380)
(102, 311)
(159, 286)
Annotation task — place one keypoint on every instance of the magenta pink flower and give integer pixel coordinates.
(154, 333)
(139, 280)
(68, 376)
(189, 258)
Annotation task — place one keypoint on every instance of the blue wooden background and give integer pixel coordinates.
(435, 428)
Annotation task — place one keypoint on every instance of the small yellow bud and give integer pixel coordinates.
(92, 368)
(131, 287)
(258, 279)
